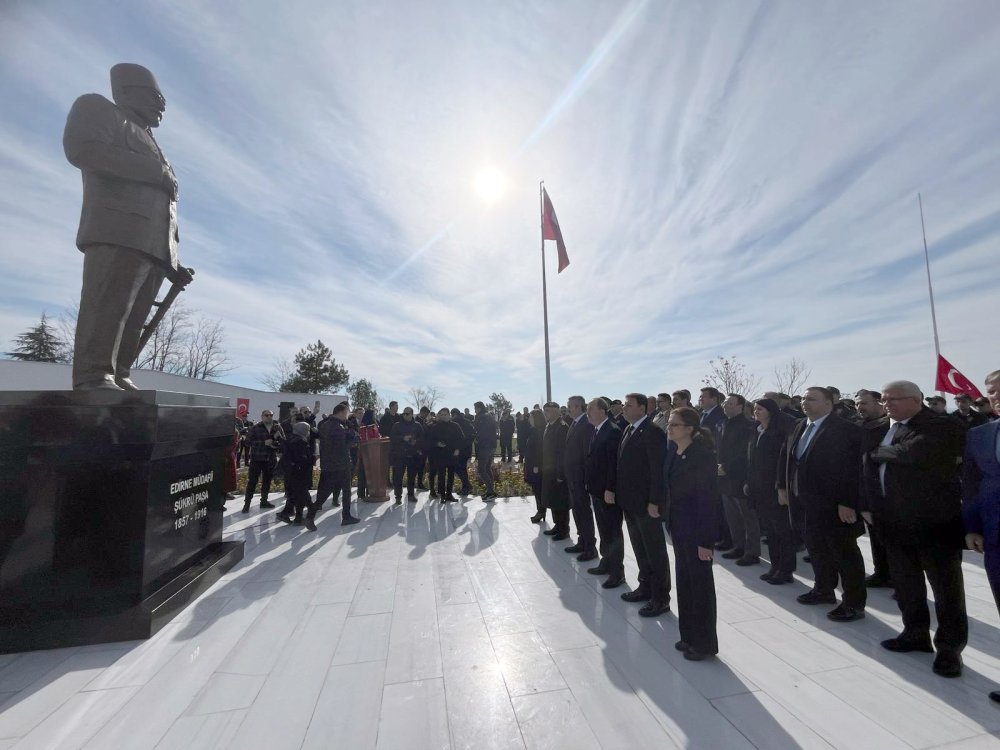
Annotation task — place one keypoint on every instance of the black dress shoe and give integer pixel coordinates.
(733, 554)
(948, 664)
(877, 582)
(639, 595)
(613, 582)
(814, 597)
(906, 645)
(266, 504)
(560, 536)
(411, 498)
(779, 578)
(681, 646)
(574, 549)
(995, 696)
(843, 613)
(310, 525)
(692, 655)
(598, 570)
(551, 532)
(538, 518)
(768, 574)
(283, 517)
(654, 609)
(807, 559)
(747, 560)
(587, 556)
(246, 509)
(349, 520)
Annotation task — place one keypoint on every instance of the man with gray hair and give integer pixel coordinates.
(918, 509)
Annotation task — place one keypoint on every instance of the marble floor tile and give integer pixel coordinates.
(348, 708)
(414, 714)
(73, 724)
(552, 721)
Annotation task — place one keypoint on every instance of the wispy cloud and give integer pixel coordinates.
(732, 178)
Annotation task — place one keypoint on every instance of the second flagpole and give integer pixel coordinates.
(545, 296)
(930, 289)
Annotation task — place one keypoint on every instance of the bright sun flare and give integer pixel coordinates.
(490, 184)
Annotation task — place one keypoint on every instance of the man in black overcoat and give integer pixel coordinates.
(601, 479)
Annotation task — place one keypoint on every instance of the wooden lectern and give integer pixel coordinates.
(374, 456)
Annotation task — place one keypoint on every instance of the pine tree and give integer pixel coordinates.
(316, 371)
(39, 344)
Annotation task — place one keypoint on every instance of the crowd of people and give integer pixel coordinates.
(809, 473)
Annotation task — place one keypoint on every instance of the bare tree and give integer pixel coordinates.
(791, 377)
(282, 370)
(66, 325)
(730, 375)
(166, 349)
(205, 357)
(426, 395)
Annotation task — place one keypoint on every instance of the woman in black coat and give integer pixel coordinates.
(532, 454)
(762, 472)
(691, 477)
(298, 459)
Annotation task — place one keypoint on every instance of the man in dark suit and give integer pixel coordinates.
(642, 497)
(555, 494)
(981, 492)
(617, 416)
(965, 414)
(712, 418)
(874, 424)
(918, 507)
(128, 224)
(732, 456)
(577, 443)
(819, 476)
(601, 478)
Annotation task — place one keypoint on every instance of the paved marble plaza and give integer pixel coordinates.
(430, 626)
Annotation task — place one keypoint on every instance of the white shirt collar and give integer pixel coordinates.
(819, 421)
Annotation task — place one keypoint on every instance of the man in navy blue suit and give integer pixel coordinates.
(981, 492)
(713, 416)
(577, 444)
(601, 477)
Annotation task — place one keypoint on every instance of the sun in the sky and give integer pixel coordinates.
(490, 183)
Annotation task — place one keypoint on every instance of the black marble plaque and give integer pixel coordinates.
(110, 513)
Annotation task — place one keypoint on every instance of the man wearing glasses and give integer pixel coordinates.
(918, 509)
(264, 438)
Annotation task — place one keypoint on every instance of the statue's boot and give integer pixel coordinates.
(106, 383)
(126, 384)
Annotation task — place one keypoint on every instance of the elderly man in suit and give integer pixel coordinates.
(601, 478)
(918, 507)
(642, 496)
(577, 444)
(819, 472)
(128, 224)
(981, 492)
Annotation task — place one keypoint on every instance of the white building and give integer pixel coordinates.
(48, 376)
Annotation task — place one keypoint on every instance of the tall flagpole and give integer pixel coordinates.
(930, 290)
(545, 295)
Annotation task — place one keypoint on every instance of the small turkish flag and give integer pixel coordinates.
(950, 380)
(551, 230)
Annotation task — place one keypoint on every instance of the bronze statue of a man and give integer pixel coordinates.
(128, 225)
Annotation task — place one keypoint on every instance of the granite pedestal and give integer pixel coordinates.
(110, 512)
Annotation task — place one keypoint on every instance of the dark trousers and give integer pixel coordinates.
(560, 519)
(650, 546)
(991, 560)
(609, 526)
(484, 468)
(410, 466)
(298, 499)
(583, 516)
(696, 609)
(461, 470)
(908, 565)
(421, 468)
(337, 482)
(780, 541)
(834, 551)
(446, 480)
(879, 558)
(536, 489)
(257, 470)
(507, 449)
(433, 469)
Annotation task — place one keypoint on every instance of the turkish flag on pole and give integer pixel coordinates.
(551, 230)
(950, 380)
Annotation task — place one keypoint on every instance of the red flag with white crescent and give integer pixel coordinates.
(950, 380)
(551, 230)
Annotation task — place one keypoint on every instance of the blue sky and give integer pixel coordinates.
(732, 178)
